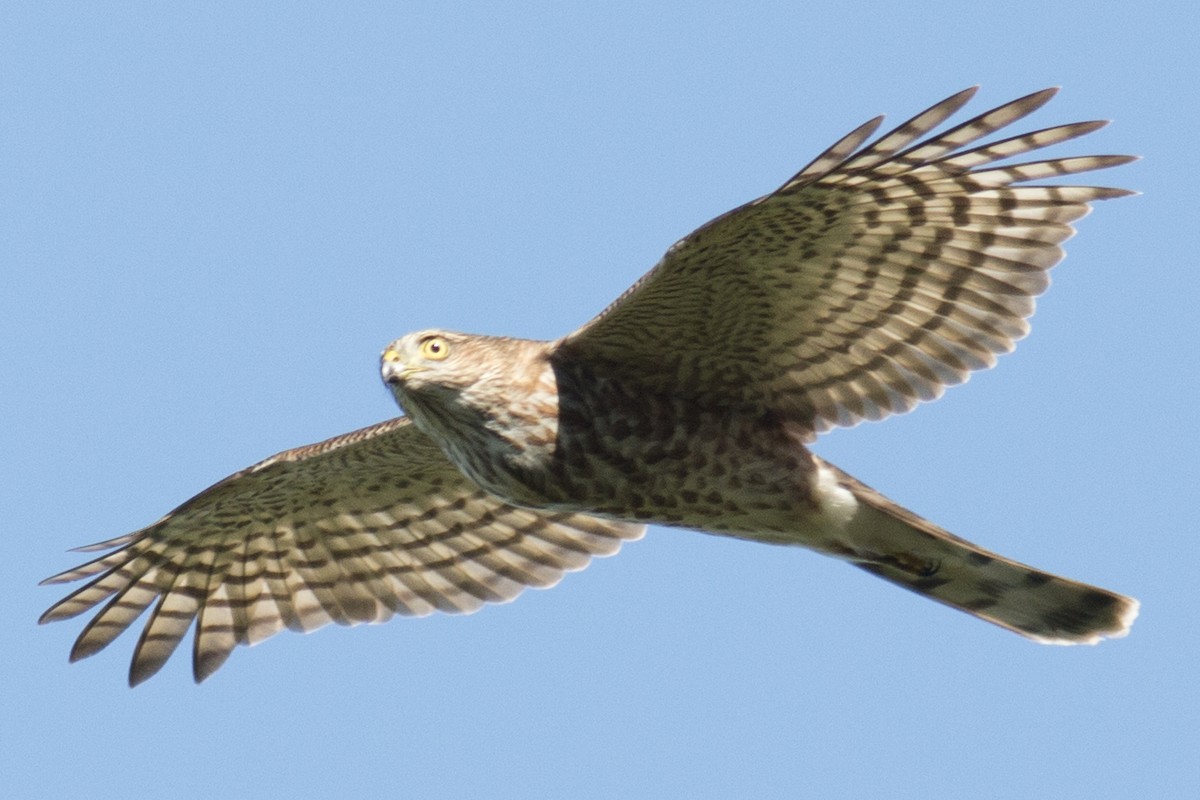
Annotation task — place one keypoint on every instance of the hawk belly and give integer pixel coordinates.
(672, 461)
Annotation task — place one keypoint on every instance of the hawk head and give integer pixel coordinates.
(489, 402)
(446, 379)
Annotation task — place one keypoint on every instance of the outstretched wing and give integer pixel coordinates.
(870, 281)
(354, 529)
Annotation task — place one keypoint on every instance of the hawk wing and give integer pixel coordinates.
(354, 529)
(870, 281)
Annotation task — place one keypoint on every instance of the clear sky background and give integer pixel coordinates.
(213, 218)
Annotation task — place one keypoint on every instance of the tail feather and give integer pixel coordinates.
(890, 541)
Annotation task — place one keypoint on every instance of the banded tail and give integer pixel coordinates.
(897, 545)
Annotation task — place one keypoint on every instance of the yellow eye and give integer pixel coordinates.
(435, 348)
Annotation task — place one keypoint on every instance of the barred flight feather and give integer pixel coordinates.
(347, 546)
(922, 270)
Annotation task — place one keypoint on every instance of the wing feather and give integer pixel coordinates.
(872, 280)
(352, 530)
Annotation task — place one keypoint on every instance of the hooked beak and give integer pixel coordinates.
(394, 369)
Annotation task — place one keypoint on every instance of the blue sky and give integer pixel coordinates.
(212, 220)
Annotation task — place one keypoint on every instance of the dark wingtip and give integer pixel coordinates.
(964, 95)
(1035, 100)
(85, 648)
(206, 663)
(140, 671)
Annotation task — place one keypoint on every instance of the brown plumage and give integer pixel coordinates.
(872, 280)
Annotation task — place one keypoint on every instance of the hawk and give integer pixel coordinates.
(876, 277)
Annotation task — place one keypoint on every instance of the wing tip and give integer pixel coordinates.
(141, 670)
(963, 96)
(1040, 97)
(206, 662)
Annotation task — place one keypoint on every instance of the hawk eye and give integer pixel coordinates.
(435, 348)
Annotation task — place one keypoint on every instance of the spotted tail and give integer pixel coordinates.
(899, 546)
